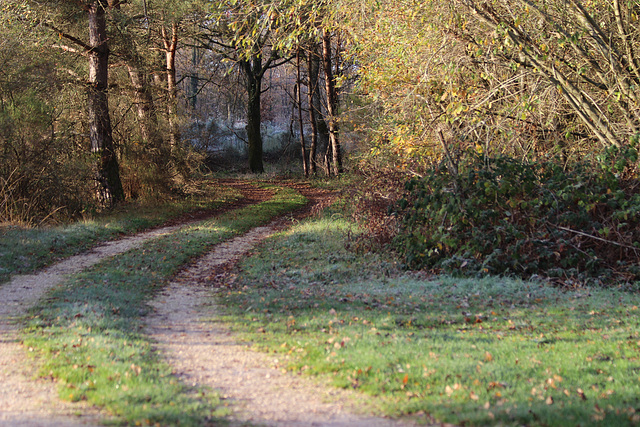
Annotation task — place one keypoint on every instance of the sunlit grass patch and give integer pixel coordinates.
(89, 332)
(465, 351)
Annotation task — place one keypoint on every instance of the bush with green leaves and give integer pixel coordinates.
(506, 216)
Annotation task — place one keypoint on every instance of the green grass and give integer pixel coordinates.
(23, 249)
(491, 351)
(88, 333)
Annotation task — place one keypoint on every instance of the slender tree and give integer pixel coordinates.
(312, 95)
(303, 147)
(170, 42)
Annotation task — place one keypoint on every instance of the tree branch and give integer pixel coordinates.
(69, 37)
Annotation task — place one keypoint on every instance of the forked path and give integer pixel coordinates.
(205, 353)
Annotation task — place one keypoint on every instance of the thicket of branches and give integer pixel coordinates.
(518, 82)
(517, 77)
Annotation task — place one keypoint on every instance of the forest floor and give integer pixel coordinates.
(202, 353)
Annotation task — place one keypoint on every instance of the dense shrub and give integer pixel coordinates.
(44, 174)
(505, 216)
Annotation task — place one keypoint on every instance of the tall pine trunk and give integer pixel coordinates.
(110, 189)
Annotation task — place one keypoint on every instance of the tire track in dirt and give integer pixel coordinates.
(206, 354)
(26, 400)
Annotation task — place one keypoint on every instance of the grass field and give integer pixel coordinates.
(491, 351)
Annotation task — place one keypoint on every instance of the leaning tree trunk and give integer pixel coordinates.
(253, 72)
(110, 189)
(332, 103)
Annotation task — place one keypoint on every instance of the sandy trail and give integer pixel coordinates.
(207, 354)
(24, 399)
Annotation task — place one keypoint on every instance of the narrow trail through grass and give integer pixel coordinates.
(88, 333)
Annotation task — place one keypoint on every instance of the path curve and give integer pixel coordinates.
(25, 399)
(205, 353)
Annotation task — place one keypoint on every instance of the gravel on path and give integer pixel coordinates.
(205, 353)
(26, 400)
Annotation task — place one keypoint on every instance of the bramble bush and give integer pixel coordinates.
(505, 216)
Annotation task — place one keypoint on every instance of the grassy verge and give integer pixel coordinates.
(23, 250)
(88, 334)
(489, 351)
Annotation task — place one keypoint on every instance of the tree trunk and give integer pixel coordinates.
(254, 73)
(171, 45)
(323, 130)
(328, 160)
(110, 189)
(313, 70)
(148, 123)
(332, 103)
(303, 148)
(143, 100)
(194, 80)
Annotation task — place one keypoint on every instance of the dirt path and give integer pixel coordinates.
(205, 353)
(26, 400)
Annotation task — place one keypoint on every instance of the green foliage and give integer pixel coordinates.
(504, 216)
(476, 352)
